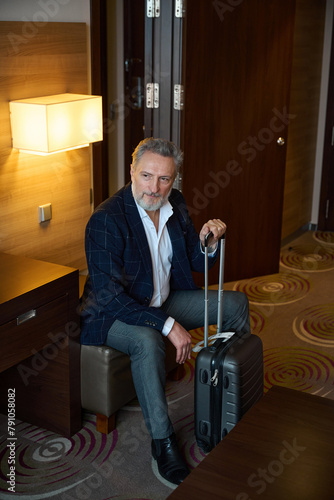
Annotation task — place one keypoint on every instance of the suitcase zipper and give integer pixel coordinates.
(214, 379)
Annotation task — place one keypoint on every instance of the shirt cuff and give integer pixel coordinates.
(169, 323)
(210, 254)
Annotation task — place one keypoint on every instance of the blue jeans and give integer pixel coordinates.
(146, 347)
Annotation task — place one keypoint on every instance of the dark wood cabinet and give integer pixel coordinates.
(40, 349)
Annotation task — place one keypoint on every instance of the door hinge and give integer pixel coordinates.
(327, 209)
(178, 97)
(153, 8)
(152, 95)
(180, 8)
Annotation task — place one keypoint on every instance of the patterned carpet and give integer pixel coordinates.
(292, 312)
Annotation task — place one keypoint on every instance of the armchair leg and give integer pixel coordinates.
(104, 424)
(177, 373)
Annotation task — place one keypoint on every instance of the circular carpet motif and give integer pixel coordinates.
(301, 369)
(274, 290)
(315, 325)
(308, 258)
(48, 462)
(325, 237)
(257, 321)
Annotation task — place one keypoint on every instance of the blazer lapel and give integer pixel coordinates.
(134, 221)
(175, 229)
(175, 233)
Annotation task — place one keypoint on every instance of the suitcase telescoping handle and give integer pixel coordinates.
(220, 287)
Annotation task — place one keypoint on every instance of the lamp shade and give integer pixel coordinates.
(50, 124)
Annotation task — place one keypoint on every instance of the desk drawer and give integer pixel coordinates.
(30, 332)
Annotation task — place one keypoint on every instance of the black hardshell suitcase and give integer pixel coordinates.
(228, 374)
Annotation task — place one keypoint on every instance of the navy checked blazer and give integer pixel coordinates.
(120, 282)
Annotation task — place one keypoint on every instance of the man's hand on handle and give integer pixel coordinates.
(217, 227)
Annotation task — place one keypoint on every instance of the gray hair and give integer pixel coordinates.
(160, 147)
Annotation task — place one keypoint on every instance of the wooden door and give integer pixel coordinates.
(326, 205)
(134, 75)
(237, 81)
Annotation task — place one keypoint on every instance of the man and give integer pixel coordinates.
(141, 248)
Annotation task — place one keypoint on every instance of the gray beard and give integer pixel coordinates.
(148, 207)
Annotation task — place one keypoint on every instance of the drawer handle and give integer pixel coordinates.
(25, 317)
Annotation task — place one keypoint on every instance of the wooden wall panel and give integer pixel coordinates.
(304, 104)
(39, 59)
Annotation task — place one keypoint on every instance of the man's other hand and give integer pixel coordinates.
(181, 339)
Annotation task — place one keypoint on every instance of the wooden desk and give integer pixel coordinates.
(282, 449)
(39, 335)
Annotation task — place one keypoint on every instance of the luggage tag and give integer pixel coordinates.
(222, 335)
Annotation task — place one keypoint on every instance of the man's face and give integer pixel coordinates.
(152, 180)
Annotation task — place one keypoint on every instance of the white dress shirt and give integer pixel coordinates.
(161, 254)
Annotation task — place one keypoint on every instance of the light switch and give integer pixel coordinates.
(44, 212)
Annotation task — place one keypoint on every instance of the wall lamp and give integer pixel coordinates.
(55, 123)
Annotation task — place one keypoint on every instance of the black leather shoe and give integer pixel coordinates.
(171, 465)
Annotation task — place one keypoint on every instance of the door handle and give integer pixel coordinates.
(281, 141)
